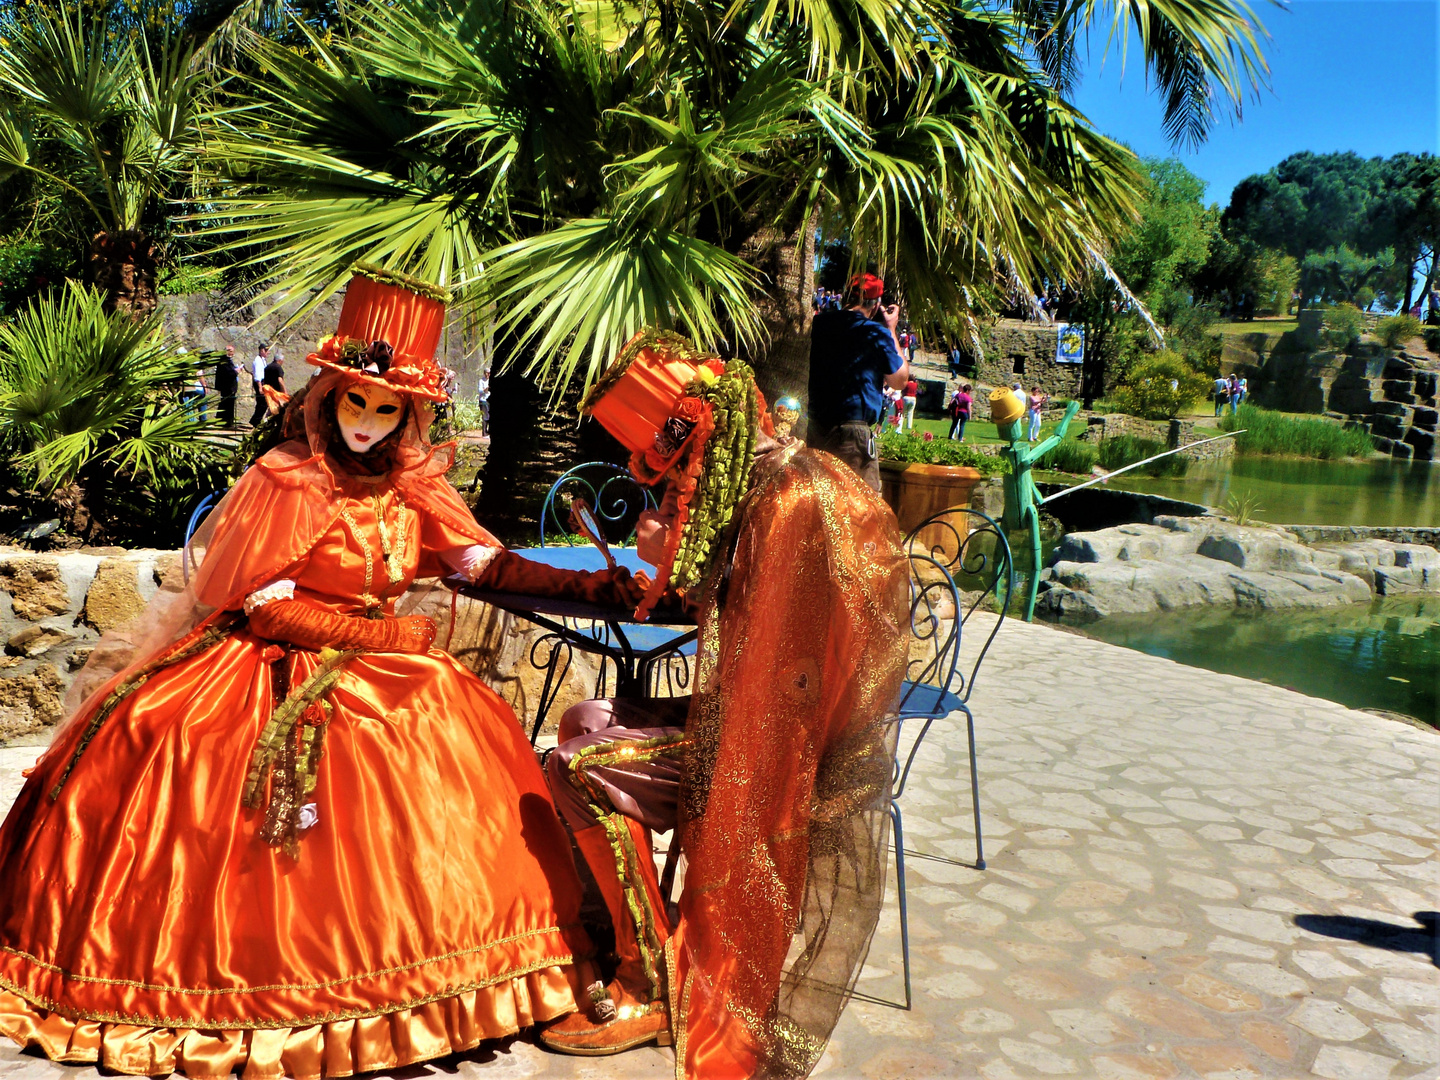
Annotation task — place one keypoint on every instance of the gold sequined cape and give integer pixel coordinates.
(801, 654)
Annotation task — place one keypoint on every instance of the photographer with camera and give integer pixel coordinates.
(854, 354)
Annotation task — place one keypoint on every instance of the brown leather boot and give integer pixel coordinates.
(631, 1011)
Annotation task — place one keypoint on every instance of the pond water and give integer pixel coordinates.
(1295, 491)
(1382, 655)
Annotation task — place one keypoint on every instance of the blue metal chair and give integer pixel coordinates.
(198, 515)
(959, 562)
(614, 495)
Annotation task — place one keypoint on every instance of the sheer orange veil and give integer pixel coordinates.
(265, 526)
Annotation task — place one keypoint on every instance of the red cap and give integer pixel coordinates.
(870, 286)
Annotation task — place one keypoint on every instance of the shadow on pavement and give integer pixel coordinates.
(1382, 935)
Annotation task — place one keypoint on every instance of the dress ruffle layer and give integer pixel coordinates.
(342, 1048)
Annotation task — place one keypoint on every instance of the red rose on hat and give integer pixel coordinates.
(689, 409)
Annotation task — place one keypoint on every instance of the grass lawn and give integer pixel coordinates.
(983, 433)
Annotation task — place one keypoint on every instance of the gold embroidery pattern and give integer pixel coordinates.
(183, 1023)
(159, 988)
(394, 561)
(367, 598)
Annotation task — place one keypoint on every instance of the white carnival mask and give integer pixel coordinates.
(366, 413)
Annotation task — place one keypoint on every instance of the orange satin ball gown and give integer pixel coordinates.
(432, 904)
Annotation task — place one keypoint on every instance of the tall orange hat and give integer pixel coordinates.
(693, 419)
(641, 399)
(390, 327)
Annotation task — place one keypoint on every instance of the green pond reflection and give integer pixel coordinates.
(1305, 492)
(1383, 655)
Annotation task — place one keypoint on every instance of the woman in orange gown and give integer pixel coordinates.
(289, 836)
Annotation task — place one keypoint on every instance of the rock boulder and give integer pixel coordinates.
(1185, 562)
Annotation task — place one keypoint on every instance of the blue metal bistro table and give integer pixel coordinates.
(644, 654)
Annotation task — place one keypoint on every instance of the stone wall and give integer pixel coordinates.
(1169, 433)
(210, 320)
(1015, 350)
(53, 608)
(1393, 395)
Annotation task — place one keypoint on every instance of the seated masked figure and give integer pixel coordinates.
(286, 834)
(776, 770)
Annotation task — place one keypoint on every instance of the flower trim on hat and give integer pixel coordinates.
(381, 276)
(376, 362)
(722, 407)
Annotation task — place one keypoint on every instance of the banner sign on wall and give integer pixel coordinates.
(1069, 344)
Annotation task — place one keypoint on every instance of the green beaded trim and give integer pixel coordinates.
(380, 275)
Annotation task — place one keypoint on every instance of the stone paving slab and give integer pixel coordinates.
(1190, 876)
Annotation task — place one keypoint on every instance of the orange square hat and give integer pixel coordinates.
(641, 398)
(390, 327)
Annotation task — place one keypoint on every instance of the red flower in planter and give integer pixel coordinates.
(929, 436)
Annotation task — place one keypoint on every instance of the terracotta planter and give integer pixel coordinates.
(915, 492)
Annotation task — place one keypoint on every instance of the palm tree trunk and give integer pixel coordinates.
(782, 363)
(122, 265)
(531, 445)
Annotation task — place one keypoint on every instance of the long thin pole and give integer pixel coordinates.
(1147, 461)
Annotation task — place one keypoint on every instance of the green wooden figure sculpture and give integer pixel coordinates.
(1022, 498)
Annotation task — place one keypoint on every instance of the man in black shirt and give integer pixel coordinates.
(854, 353)
(227, 384)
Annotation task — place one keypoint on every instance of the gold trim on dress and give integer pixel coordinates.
(215, 1024)
(162, 989)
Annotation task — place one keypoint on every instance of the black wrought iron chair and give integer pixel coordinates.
(616, 498)
(960, 563)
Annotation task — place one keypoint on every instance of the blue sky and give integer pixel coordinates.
(1344, 75)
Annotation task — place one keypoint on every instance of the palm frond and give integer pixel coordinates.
(570, 297)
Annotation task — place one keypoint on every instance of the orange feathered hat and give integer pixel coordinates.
(390, 327)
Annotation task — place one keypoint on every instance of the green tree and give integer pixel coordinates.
(91, 421)
(1160, 387)
(1315, 203)
(1339, 275)
(577, 171)
(1156, 260)
(96, 112)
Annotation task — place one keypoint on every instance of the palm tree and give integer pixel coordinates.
(579, 170)
(88, 107)
(91, 419)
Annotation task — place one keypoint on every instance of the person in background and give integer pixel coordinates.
(1019, 392)
(888, 410)
(257, 378)
(1234, 394)
(192, 398)
(909, 396)
(1037, 407)
(485, 404)
(1222, 393)
(272, 385)
(1244, 389)
(911, 341)
(854, 354)
(227, 384)
(960, 403)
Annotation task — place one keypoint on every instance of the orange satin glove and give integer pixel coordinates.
(314, 628)
(512, 573)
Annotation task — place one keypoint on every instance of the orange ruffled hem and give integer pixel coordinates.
(342, 1048)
